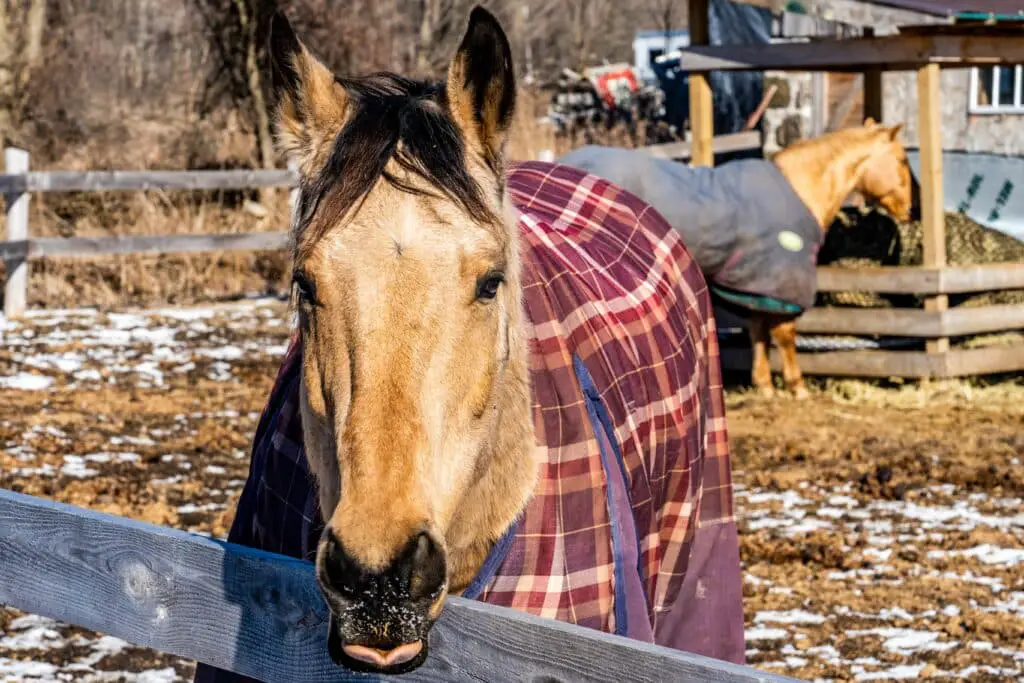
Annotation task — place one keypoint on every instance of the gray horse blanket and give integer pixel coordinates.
(753, 237)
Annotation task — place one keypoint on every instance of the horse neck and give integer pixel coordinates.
(824, 173)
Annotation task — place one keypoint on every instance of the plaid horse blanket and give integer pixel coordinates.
(630, 529)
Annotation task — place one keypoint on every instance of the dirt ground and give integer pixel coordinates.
(882, 529)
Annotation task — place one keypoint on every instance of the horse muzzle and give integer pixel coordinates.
(380, 619)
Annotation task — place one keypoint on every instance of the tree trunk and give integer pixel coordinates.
(248, 19)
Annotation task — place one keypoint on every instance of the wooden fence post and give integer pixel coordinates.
(933, 216)
(873, 105)
(701, 112)
(819, 103)
(16, 289)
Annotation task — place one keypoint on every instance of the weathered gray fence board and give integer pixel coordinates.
(261, 614)
(89, 181)
(138, 244)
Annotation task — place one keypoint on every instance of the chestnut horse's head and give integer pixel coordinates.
(415, 389)
(869, 159)
(886, 179)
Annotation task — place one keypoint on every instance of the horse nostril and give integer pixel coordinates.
(428, 567)
(339, 571)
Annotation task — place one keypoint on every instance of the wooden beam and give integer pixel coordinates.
(732, 142)
(879, 364)
(920, 280)
(89, 181)
(912, 322)
(701, 111)
(158, 244)
(933, 215)
(16, 288)
(888, 53)
(873, 104)
(262, 615)
(884, 364)
(985, 361)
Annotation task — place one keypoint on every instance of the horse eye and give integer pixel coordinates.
(304, 287)
(487, 287)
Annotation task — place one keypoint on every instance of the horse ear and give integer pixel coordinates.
(481, 86)
(311, 104)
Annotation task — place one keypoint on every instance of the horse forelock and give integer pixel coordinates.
(399, 130)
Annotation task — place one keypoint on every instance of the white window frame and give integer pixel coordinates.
(996, 107)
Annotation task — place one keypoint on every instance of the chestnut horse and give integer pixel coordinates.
(823, 172)
(505, 381)
(755, 225)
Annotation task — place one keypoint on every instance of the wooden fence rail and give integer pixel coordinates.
(261, 615)
(935, 324)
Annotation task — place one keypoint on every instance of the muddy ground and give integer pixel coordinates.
(882, 529)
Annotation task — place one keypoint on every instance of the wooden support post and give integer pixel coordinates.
(16, 289)
(819, 103)
(873, 104)
(701, 112)
(933, 218)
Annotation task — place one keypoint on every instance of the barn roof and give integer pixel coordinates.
(952, 8)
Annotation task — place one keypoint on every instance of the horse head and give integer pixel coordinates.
(414, 396)
(885, 177)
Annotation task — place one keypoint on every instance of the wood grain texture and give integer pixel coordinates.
(995, 359)
(701, 112)
(158, 244)
(16, 287)
(873, 88)
(86, 181)
(881, 364)
(922, 280)
(933, 216)
(912, 322)
(889, 53)
(261, 614)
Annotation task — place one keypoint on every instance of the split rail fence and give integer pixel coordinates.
(261, 615)
(935, 323)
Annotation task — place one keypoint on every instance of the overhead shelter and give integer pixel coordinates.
(969, 33)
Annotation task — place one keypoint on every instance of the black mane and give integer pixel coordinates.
(390, 117)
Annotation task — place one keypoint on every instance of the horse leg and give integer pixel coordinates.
(761, 370)
(784, 334)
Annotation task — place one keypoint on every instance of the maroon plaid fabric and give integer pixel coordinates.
(631, 528)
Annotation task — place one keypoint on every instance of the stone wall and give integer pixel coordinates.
(993, 133)
(788, 116)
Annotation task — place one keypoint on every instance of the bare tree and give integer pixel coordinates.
(21, 41)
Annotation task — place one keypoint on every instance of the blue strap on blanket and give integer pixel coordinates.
(755, 302)
(492, 563)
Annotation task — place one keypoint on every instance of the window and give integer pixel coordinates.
(997, 90)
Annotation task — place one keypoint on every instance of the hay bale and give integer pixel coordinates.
(861, 238)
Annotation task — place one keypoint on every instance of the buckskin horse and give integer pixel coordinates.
(504, 381)
(755, 225)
